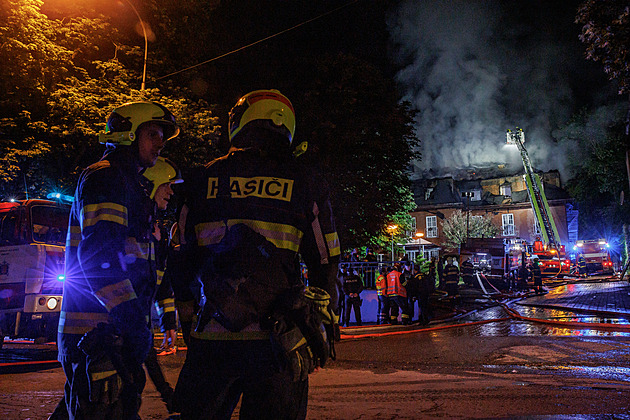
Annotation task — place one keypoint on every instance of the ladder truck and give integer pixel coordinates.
(551, 253)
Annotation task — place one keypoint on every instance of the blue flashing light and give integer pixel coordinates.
(61, 277)
(60, 197)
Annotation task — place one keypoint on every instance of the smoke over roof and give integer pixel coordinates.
(474, 69)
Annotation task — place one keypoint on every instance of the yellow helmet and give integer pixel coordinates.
(164, 171)
(124, 121)
(268, 106)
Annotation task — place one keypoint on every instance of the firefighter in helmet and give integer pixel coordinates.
(246, 217)
(104, 335)
(536, 275)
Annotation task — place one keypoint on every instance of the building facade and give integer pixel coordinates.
(504, 198)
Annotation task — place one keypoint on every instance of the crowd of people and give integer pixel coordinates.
(399, 288)
(402, 286)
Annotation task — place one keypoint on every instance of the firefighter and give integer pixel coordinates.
(397, 296)
(104, 335)
(245, 218)
(451, 278)
(381, 292)
(536, 275)
(161, 178)
(582, 266)
(468, 272)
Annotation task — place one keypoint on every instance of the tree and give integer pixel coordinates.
(458, 227)
(347, 109)
(363, 139)
(59, 80)
(606, 34)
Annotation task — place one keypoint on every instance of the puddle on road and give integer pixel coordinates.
(515, 327)
(609, 373)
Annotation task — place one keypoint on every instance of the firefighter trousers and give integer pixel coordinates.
(217, 372)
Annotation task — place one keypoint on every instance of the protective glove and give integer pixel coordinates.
(130, 319)
(105, 372)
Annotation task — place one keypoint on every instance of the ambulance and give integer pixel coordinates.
(32, 245)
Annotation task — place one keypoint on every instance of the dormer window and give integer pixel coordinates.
(472, 195)
(427, 193)
(506, 190)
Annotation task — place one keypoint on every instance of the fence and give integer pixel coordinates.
(368, 271)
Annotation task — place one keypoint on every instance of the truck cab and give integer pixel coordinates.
(32, 246)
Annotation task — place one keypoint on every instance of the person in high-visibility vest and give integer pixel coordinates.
(397, 294)
(383, 301)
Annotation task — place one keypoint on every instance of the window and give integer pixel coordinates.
(506, 190)
(427, 193)
(508, 224)
(473, 195)
(432, 231)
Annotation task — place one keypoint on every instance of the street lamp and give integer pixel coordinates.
(146, 43)
(392, 230)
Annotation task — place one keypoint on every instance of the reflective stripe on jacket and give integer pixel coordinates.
(394, 286)
(381, 285)
(109, 257)
(451, 274)
(248, 216)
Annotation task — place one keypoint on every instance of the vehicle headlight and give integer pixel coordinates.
(52, 303)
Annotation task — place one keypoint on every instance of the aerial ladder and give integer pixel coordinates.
(551, 245)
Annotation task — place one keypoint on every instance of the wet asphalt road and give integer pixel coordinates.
(503, 369)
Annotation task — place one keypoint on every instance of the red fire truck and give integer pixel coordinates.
(32, 245)
(596, 256)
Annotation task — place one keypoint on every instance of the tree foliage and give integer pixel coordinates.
(59, 80)
(603, 174)
(597, 162)
(359, 134)
(459, 226)
(63, 72)
(606, 34)
(363, 139)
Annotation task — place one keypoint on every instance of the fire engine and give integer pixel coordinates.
(596, 256)
(32, 245)
(551, 253)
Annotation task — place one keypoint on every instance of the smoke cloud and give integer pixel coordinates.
(474, 69)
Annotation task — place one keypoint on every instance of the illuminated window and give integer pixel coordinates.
(432, 230)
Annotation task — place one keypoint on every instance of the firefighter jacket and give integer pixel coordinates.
(582, 264)
(536, 274)
(381, 285)
(109, 257)
(394, 284)
(468, 270)
(451, 274)
(352, 285)
(247, 215)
